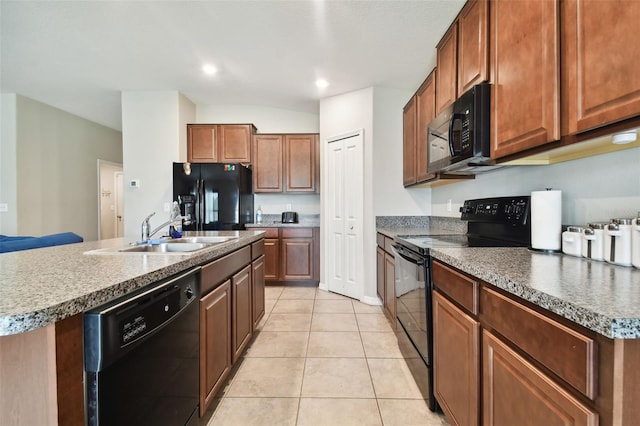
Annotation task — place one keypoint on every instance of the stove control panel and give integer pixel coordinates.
(506, 210)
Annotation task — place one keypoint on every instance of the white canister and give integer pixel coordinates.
(572, 241)
(635, 242)
(617, 242)
(593, 241)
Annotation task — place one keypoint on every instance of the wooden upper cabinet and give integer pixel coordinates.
(300, 153)
(409, 142)
(267, 163)
(286, 162)
(235, 143)
(473, 52)
(425, 113)
(202, 143)
(446, 69)
(601, 82)
(524, 57)
(219, 143)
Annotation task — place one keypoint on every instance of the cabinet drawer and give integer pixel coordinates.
(566, 352)
(257, 249)
(459, 287)
(380, 239)
(297, 233)
(388, 245)
(219, 270)
(268, 232)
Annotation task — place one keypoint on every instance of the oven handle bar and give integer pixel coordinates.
(408, 255)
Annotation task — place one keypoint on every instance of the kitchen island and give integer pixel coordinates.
(43, 294)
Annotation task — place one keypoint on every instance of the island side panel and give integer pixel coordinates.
(28, 390)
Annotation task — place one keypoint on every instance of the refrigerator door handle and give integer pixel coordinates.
(202, 206)
(197, 206)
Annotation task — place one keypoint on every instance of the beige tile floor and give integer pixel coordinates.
(322, 359)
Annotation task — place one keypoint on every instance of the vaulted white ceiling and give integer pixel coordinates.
(80, 55)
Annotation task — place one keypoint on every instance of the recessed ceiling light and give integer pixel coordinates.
(209, 69)
(322, 83)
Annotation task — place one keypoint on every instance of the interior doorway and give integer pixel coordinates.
(110, 200)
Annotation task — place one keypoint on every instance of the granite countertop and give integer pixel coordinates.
(39, 287)
(602, 297)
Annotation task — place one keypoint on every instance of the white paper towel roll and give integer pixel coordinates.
(546, 220)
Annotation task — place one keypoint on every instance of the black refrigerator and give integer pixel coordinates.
(213, 196)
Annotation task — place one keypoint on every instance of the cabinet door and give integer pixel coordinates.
(426, 111)
(409, 143)
(297, 259)
(456, 360)
(380, 273)
(242, 324)
(257, 290)
(515, 392)
(601, 83)
(300, 163)
(267, 163)
(215, 342)
(524, 74)
(271, 259)
(235, 143)
(473, 54)
(447, 69)
(390, 286)
(202, 143)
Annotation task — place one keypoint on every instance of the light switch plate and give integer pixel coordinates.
(288, 207)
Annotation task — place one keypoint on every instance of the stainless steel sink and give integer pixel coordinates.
(179, 246)
(171, 247)
(203, 240)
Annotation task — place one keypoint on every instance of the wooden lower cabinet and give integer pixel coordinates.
(242, 319)
(291, 254)
(386, 275)
(390, 286)
(297, 258)
(380, 272)
(215, 342)
(456, 344)
(517, 393)
(257, 289)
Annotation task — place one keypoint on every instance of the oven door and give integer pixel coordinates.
(413, 298)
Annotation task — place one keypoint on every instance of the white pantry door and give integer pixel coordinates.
(344, 248)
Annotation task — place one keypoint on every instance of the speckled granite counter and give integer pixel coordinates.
(42, 286)
(601, 297)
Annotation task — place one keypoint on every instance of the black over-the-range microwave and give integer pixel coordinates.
(458, 138)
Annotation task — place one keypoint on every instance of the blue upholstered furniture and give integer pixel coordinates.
(8, 244)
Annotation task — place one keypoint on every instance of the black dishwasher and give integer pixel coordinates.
(141, 355)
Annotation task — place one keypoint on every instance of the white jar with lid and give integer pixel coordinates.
(593, 241)
(635, 241)
(572, 241)
(617, 242)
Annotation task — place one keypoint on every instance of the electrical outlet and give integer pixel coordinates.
(288, 207)
(448, 205)
(167, 207)
(4, 207)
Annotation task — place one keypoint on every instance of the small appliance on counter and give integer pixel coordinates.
(546, 220)
(289, 217)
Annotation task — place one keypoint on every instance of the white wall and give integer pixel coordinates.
(594, 189)
(55, 166)
(390, 196)
(8, 164)
(153, 134)
(266, 120)
(339, 115)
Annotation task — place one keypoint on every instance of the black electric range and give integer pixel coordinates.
(492, 222)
